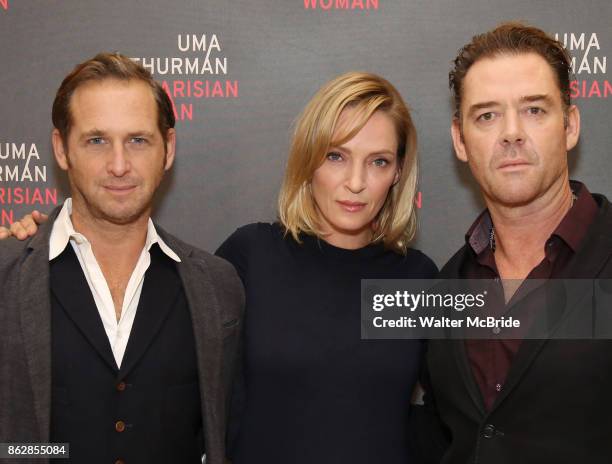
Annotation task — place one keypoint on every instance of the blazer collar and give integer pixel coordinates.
(588, 263)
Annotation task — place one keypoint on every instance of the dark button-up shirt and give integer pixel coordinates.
(491, 359)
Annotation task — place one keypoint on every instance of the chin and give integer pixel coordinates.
(515, 196)
(124, 214)
(351, 227)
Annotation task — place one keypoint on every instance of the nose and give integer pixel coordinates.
(118, 165)
(356, 178)
(512, 131)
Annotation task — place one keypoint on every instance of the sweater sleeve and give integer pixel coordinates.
(237, 249)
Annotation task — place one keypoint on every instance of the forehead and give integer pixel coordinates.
(378, 129)
(113, 104)
(509, 76)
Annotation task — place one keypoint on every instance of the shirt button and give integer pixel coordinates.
(488, 431)
(121, 386)
(496, 330)
(498, 387)
(120, 426)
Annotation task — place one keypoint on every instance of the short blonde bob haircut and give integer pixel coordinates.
(395, 224)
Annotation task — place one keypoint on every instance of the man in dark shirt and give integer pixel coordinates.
(517, 400)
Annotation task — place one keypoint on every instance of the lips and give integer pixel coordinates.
(513, 164)
(120, 189)
(352, 206)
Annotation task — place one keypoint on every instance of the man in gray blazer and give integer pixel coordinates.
(115, 337)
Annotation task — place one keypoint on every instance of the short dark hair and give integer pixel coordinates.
(511, 38)
(108, 66)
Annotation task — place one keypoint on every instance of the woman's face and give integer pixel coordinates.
(351, 185)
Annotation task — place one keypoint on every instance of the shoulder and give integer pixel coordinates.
(253, 233)
(17, 261)
(12, 252)
(186, 251)
(218, 271)
(239, 246)
(604, 210)
(420, 263)
(451, 269)
(223, 276)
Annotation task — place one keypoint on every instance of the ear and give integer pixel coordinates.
(170, 149)
(398, 174)
(572, 127)
(59, 151)
(458, 142)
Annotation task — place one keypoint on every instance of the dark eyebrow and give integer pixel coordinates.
(101, 133)
(93, 133)
(141, 134)
(535, 98)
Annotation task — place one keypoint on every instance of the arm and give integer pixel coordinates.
(235, 249)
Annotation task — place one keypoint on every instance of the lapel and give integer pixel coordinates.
(588, 263)
(451, 271)
(35, 315)
(206, 318)
(159, 292)
(70, 287)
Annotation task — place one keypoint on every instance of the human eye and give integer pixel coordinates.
(96, 141)
(487, 116)
(138, 140)
(380, 162)
(535, 111)
(334, 156)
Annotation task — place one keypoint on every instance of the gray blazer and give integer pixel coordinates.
(216, 302)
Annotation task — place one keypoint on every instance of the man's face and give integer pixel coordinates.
(116, 155)
(512, 130)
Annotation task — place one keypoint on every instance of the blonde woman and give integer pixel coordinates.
(312, 390)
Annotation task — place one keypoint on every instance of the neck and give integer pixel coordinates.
(348, 241)
(521, 232)
(107, 238)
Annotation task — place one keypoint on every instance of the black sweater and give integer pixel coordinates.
(313, 391)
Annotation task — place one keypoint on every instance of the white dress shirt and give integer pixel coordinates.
(118, 332)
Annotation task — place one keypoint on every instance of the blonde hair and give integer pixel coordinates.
(365, 93)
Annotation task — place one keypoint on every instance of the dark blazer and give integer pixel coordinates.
(216, 302)
(555, 406)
